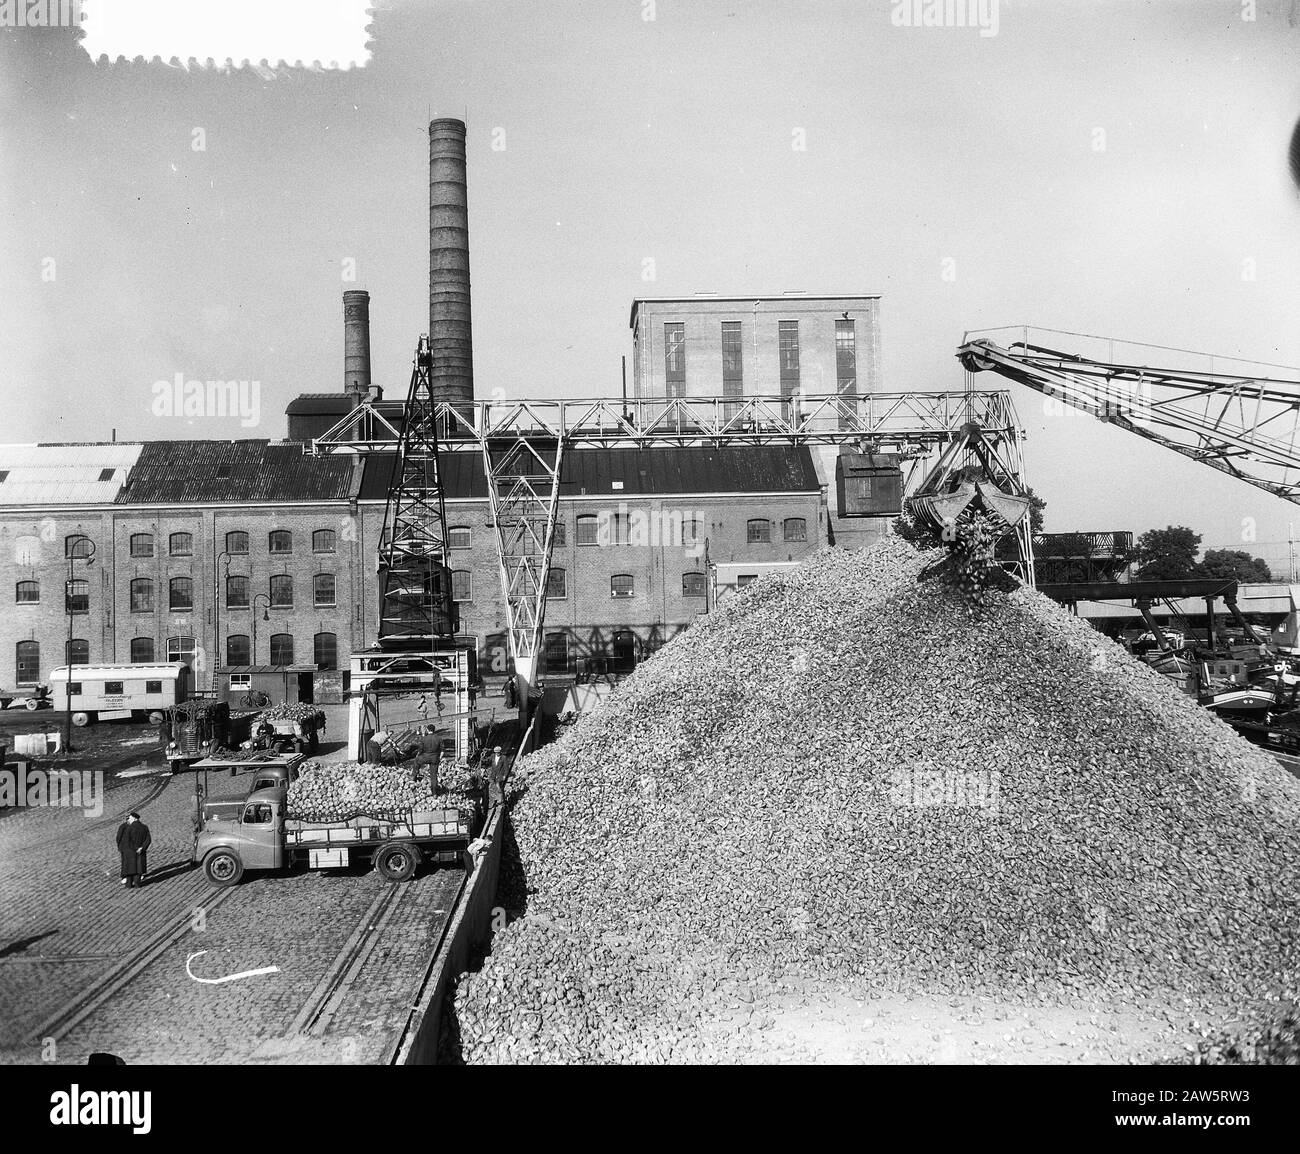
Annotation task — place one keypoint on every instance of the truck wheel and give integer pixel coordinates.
(80, 718)
(396, 863)
(31, 703)
(223, 868)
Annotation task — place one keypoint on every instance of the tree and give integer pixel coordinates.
(1037, 507)
(1167, 554)
(1234, 565)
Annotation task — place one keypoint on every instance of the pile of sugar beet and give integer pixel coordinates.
(848, 771)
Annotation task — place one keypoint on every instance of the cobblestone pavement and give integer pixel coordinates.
(69, 932)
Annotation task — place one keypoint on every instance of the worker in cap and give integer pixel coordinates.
(375, 747)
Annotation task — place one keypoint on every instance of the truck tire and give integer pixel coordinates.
(31, 703)
(223, 868)
(79, 718)
(397, 863)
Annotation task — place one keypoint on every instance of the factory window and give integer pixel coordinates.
(846, 367)
(141, 595)
(746, 579)
(180, 649)
(181, 544)
(78, 545)
(621, 585)
(237, 542)
(733, 373)
(692, 532)
(555, 584)
(281, 648)
(236, 592)
(237, 650)
(281, 592)
(619, 528)
(557, 653)
(796, 529)
(141, 650)
(106, 474)
(557, 538)
(788, 345)
(280, 541)
(693, 585)
(588, 529)
(4, 474)
(322, 541)
(325, 648)
(181, 594)
(27, 657)
(28, 593)
(462, 587)
(458, 538)
(78, 597)
(78, 653)
(141, 544)
(759, 531)
(322, 589)
(223, 471)
(675, 360)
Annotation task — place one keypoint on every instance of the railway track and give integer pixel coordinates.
(73, 1012)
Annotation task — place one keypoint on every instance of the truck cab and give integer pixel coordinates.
(236, 835)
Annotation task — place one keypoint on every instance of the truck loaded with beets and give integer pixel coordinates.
(331, 816)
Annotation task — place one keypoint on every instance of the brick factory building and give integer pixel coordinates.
(252, 555)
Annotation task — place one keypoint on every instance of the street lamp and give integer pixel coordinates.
(252, 657)
(218, 650)
(82, 549)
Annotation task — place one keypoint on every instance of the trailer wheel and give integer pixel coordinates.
(223, 868)
(397, 863)
(80, 718)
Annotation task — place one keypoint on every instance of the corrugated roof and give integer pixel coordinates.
(643, 472)
(65, 474)
(184, 472)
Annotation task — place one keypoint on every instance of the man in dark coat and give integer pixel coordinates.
(133, 844)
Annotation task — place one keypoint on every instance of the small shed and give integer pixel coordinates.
(283, 684)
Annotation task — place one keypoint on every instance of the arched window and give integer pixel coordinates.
(280, 541)
(588, 529)
(621, 585)
(141, 650)
(78, 597)
(237, 650)
(796, 529)
(141, 595)
(27, 659)
(28, 593)
(322, 541)
(282, 591)
(462, 585)
(692, 532)
(236, 592)
(759, 531)
(180, 594)
(78, 545)
(141, 544)
(281, 648)
(692, 584)
(322, 589)
(181, 544)
(181, 649)
(77, 651)
(458, 538)
(555, 583)
(325, 649)
(237, 543)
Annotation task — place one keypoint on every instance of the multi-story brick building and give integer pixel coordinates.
(248, 555)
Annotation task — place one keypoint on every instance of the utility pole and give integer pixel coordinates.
(1290, 542)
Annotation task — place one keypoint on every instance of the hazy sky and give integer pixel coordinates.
(670, 139)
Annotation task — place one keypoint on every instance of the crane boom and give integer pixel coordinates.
(1246, 425)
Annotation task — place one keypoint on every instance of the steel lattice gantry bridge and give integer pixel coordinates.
(523, 444)
(1243, 423)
